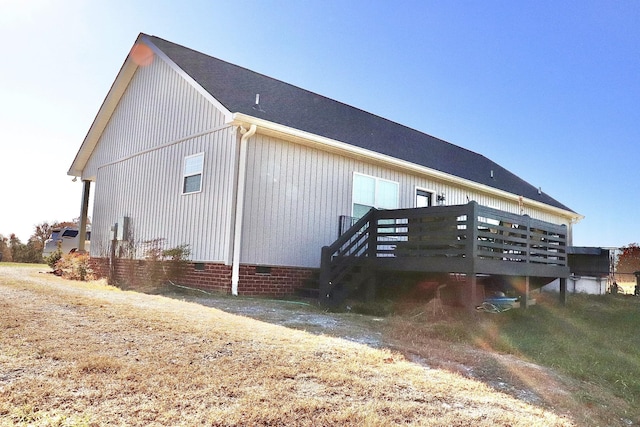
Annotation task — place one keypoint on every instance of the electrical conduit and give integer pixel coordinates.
(242, 178)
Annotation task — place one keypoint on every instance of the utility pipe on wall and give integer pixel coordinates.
(242, 178)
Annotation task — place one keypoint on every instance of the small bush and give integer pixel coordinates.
(154, 266)
(53, 259)
(165, 265)
(75, 266)
(176, 260)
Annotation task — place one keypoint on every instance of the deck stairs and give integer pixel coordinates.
(346, 265)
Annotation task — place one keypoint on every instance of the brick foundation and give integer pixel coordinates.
(275, 281)
(254, 280)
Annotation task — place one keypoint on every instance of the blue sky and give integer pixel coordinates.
(548, 89)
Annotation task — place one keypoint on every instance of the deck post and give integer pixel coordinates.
(563, 290)
(525, 294)
(372, 253)
(372, 281)
(469, 295)
(372, 242)
(325, 266)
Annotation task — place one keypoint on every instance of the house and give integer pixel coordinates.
(591, 271)
(255, 174)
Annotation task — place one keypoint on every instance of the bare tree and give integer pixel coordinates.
(628, 262)
(41, 233)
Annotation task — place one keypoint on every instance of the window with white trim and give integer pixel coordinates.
(371, 192)
(192, 173)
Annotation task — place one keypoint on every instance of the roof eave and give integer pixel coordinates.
(274, 129)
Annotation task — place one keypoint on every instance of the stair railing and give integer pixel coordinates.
(338, 261)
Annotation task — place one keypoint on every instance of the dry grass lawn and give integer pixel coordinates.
(85, 354)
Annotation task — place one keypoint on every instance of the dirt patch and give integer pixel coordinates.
(300, 315)
(526, 381)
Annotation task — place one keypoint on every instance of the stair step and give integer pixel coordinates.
(311, 286)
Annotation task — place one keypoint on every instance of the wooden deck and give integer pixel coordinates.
(468, 240)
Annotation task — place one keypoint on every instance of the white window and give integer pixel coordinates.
(371, 192)
(423, 198)
(192, 176)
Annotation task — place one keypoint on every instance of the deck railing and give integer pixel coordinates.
(462, 238)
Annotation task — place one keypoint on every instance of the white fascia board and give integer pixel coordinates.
(327, 144)
(202, 91)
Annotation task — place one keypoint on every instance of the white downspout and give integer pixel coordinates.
(242, 178)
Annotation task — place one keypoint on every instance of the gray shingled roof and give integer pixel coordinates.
(236, 88)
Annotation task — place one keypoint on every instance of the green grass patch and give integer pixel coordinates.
(593, 339)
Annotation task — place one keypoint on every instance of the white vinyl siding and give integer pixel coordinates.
(158, 108)
(139, 168)
(296, 194)
(151, 198)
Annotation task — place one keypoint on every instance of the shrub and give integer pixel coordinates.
(154, 265)
(53, 259)
(176, 260)
(75, 266)
(165, 265)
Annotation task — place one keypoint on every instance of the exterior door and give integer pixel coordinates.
(423, 198)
